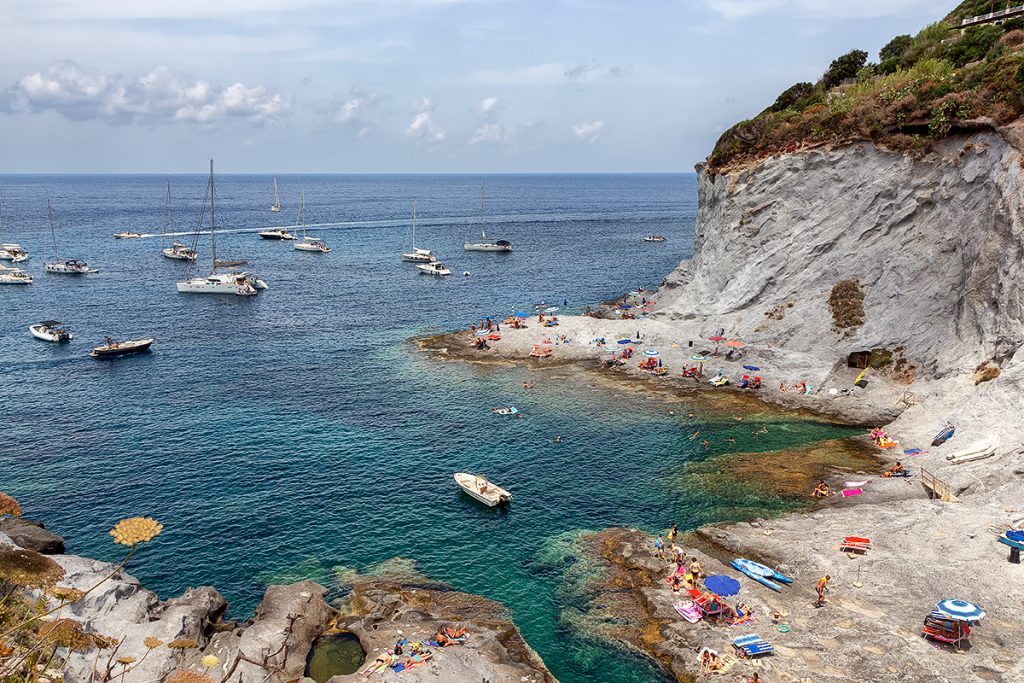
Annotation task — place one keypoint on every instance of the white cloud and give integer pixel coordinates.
(423, 126)
(492, 133)
(358, 112)
(588, 132)
(161, 96)
(741, 9)
(487, 105)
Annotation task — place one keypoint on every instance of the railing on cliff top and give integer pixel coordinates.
(1007, 13)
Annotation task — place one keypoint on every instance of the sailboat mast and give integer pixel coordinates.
(482, 212)
(414, 225)
(53, 235)
(167, 214)
(213, 221)
(302, 213)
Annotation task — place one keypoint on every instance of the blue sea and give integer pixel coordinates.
(299, 433)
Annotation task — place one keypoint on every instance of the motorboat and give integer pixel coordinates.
(507, 410)
(239, 283)
(307, 243)
(654, 238)
(276, 206)
(417, 255)
(478, 488)
(177, 251)
(14, 276)
(276, 234)
(113, 349)
(10, 252)
(66, 267)
(435, 268)
(13, 253)
(127, 235)
(70, 267)
(180, 252)
(51, 331)
(486, 244)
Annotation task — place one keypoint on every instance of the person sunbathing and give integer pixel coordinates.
(897, 468)
(710, 661)
(456, 633)
(821, 490)
(382, 662)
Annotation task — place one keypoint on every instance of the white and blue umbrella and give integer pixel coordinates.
(551, 309)
(699, 358)
(961, 610)
(652, 353)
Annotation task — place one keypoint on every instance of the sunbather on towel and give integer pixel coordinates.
(710, 661)
(895, 470)
(456, 633)
(382, 662)
(418, 660)
(821, 490)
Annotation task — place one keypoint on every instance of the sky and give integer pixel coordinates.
(408, 86)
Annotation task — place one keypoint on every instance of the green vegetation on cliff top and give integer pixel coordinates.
(921, 88)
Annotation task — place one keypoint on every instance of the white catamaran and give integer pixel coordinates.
(236, 282)
(307, 243)
(485, 244)
(276, 206)
(10, 252)
(70, 266)
(177, 251)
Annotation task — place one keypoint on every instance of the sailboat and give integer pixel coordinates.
(308, 243)
(236, 282)
(177, 251)
(10, 252)
(484, 244)
(276, 206)
(417, 255)
(69, 267)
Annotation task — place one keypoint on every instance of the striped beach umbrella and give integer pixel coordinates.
(961, 610)
(652, 353)
(699, 358)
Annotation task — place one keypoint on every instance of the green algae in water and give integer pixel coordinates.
(337, 654)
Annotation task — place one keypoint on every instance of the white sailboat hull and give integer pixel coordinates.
(276, 209)
(239, 284)
(179, 255)
(418, 258)
(69, 269)
(314, 247)
(13, 253)
(486, 246)
(15, 278)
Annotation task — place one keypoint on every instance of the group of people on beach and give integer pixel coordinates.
(410, 655)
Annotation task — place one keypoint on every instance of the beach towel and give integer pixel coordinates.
(852, 492)
(857, 484)
(910, 452)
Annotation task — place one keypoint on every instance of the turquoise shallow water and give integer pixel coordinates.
(299, 434)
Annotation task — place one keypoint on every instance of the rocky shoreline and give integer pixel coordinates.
(134, 637)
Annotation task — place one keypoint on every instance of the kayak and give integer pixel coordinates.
(766, 576)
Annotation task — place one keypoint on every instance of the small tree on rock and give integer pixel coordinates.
(844, 67)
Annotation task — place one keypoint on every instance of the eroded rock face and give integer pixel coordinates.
(382, 611)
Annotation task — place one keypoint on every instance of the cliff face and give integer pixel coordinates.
(935, 244)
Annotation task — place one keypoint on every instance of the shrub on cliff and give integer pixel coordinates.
(847, 305)
(923, 87)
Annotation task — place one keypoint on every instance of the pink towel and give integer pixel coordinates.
(852, 492)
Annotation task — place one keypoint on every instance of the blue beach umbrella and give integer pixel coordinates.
(961, 610)
(521, 314)
(752, 368)
(722, 585)
(652, 353)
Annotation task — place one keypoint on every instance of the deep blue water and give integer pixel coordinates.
(299, 434)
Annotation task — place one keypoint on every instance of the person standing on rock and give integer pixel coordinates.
(659, 548)
(822, 589)
(672, 533)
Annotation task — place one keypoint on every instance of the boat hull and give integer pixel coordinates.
(65, 269)
(44, 333)
(429, 269)
(239, 284)
(179, 255)
(312, 248)
(276, 236)
(487, 247)
(492, 496)
(125, 348)
(417, 258)
(12, 280)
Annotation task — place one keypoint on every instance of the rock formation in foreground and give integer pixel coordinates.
(132, 636)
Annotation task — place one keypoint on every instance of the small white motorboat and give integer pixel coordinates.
(13, 253)
(70, 267)
(480, 489)
(435, 268)
(276, 234)
(51, 331)
(179, 252)
(654, 238)
(14, 276)
(113, 349)
(127, 235)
